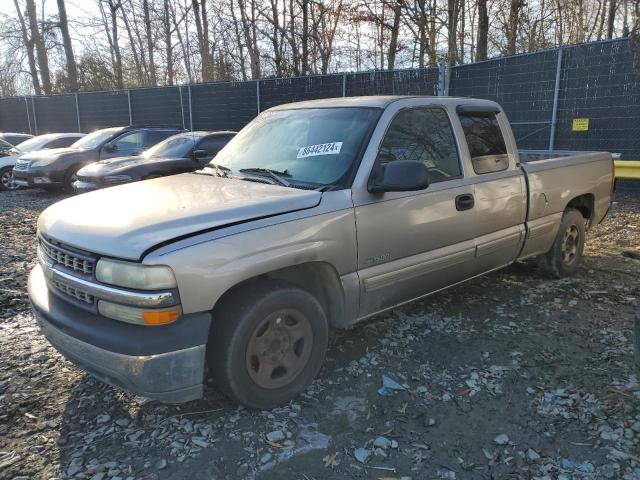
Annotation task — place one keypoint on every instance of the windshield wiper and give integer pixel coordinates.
(220, 170)
(274, 174)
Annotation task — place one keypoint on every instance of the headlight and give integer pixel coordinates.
(135, 275)
(43, 162)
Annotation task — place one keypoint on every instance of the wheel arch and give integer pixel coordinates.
(585, 204)
(319, 278)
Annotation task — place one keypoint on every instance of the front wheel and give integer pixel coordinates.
(564, 257)
(267, 343)
(6, 179)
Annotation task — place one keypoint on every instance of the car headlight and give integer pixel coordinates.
(43, 162)
(135, 275)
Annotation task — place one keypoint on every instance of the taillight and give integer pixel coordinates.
(613, 177)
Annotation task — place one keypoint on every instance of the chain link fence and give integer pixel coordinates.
(582, 97)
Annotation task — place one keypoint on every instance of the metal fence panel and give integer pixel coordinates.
(223, 106)
(14, 115)
(398, 82)
(277, 91)
(103, 109)
(156, 106)
(522, 84)
(599, 83)
(56, 113)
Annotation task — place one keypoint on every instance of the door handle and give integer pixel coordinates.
(464, 202)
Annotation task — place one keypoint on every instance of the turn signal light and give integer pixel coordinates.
(160, 317)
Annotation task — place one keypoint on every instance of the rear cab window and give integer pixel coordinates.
(485, 140)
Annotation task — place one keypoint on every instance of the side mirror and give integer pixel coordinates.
(201, 156)
(110, 147)
(400, 176)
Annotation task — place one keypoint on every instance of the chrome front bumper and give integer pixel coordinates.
(173, 377)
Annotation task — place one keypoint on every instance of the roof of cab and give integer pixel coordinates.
(374, 101)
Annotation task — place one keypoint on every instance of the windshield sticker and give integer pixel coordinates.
(332, 148)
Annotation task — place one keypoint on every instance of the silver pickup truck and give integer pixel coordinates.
(315, 216)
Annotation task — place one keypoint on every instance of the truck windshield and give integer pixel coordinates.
(313, 146)
(95, 139)
(177, 146)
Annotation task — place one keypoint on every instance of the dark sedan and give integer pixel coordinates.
(180, 153)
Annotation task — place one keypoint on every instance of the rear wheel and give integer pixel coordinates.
(6, 179)
(565, 255)
(268, 343)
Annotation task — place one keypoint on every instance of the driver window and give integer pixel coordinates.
(424, 135)
(130, 141)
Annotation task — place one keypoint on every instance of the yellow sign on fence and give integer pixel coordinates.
(580, 124)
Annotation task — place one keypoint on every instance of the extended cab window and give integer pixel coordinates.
(424, 135)
(486, 143)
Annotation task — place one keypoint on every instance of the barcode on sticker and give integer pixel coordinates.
(332, 148)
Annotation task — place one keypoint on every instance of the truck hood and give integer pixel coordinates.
(127, 220)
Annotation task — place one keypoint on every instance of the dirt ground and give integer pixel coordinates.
(512, 375)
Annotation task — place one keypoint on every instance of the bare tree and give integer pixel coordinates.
(72, 69)
(28, 42)
(41, 50)
(483, 31)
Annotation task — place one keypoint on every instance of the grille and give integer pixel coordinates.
(67, 258)
(21, 164)
(74, 292)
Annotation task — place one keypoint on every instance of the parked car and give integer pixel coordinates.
(41, 142)
(15, 139)
(184, 152)
(56, 169)
(316, 215)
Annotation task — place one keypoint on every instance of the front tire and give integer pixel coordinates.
(565, 256)
(6, 179)
(267, 343)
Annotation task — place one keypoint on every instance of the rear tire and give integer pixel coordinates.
(267, 343)
(6, 179)
(565, 256)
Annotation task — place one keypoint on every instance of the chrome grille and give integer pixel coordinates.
(66, 258)
(73, 292)
(21, 164)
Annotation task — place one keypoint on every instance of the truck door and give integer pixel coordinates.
(413, 243)
(500, 190)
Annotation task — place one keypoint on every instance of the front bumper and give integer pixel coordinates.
(163, 363)
(26, 178)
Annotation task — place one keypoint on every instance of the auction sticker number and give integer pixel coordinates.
(332, 148)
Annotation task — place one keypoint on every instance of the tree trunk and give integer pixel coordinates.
(305, 37)
(513, 27)
(30, 53)
(113, 8)
(153, 78)
(452, 28)
(395, 30)
(483, 30)
(613, 5)
(168, 46)
(72, 69)
(202, 29)
(249, 29)
(41, 50)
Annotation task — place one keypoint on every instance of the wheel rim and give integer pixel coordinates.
(570, 244)
(279, 349)
(7, 180)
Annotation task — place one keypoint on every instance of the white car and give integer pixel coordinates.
(41, 142)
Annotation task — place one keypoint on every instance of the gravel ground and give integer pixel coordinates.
(512, 375)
